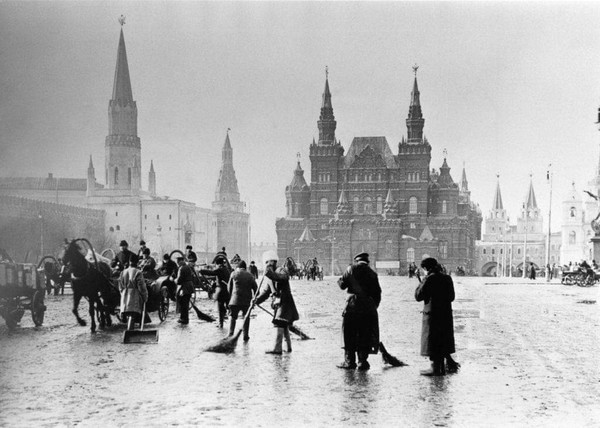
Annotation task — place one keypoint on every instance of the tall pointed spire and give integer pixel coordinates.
(91, 165)
(122, 85)
(530, 201)
(227, 187)
(326, 122)
(498, 197)
(464, 184)
(390, 209)
(415, 121)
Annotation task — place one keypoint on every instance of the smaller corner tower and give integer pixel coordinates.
(91, 179)
(497, 222)
(152, 180)
(297, 195)
(531, 220)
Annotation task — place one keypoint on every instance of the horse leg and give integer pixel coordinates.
(76, 300)
(92, 311)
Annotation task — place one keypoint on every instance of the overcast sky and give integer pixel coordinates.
(505, 88)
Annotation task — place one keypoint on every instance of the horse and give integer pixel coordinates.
(92, 283)
(292, 268)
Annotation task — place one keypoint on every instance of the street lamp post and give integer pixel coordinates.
(549, 178)
(525, 241)
(41, 234)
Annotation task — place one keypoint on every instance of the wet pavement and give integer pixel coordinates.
(530, 355)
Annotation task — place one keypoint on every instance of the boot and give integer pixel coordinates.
(437, 368)
(363, 364)
(349, 361)
(246, 329)
(451, 365)
(232, 322)
(278, 342)
(288, 339)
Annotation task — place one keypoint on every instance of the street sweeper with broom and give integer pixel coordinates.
(282, 303)
(360, 325)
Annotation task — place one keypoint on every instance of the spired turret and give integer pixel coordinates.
(152, 180)
(91, 178)
(343, 209)
(297, 195)
(390, 207)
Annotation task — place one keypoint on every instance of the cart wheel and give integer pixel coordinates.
(163, 306)
(38, 308)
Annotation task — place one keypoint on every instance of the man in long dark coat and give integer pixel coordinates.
(437, 334)
(222, 275)
(361, 321)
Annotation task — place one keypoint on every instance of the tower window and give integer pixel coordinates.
(412, 205)
(116, 213)
(157, 216)
(410, 255)
(129, 176)
(368, 205)
(379, 204)
(573, 211)
(116, 175)
(169, 216)
(444, 207)
(324, 208)
(355, 205)
(118, 227)
(572, 238)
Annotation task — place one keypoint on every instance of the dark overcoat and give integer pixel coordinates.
(222, 273)
(242, 287)
(437, 334)
(124, 259)
(286, 313)
(360, 326)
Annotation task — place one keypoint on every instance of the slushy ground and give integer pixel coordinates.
(529, 352)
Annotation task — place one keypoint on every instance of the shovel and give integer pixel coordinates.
(141, 335)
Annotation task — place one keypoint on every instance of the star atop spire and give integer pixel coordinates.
(122, 20)
(415, 68)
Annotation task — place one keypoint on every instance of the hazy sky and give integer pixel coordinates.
(505, 87)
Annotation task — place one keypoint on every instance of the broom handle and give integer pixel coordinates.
(143, 316)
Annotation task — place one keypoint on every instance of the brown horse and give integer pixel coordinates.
(92, 283)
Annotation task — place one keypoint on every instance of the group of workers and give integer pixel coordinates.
(237, 291)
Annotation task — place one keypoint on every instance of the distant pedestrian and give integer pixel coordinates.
(190, 256)
(437, 334)
(360, 325)
(185, 281)
(242, 287)
(531, 271)
(253, 270)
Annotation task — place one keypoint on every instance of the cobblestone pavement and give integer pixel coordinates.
(529, 353)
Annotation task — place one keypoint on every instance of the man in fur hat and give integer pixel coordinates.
(124, 258)
(361, 321)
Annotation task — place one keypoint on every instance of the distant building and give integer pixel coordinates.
(133, 213)
(504, 247)
(392, 206)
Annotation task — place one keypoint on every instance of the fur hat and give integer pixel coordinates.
(123, 243)
(270, 255)
(362, 257)
(142, 242)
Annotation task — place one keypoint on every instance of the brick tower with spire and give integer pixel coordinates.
(122, 145)
(231, 219)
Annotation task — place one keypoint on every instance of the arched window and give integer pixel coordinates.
(572, 237)
(355, 203)
(324, 206)
(111, 229)
(118, 227)
(444, 207)
(379, 204)
(116, 175)
(572, 212)
(410, 255)
(389, 248)
(129, 176)
(412, 205)
(368, 205)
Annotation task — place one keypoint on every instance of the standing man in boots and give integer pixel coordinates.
(242, 288)
(361, 321)
(437, 335)
(184, 280)
(221, 274)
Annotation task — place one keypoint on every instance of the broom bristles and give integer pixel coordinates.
(225, 346)
(390, 359)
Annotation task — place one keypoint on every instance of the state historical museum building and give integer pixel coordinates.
(393, 206)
